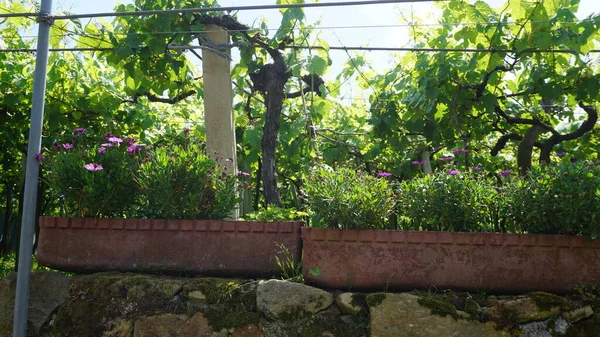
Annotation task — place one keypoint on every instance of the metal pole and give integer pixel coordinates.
(31, 173)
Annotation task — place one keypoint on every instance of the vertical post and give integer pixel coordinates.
(425, 158)
(31, 173)
(218, 103)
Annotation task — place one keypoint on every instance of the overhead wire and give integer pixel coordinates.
(336, 48)
(219, 9)
(489, 23)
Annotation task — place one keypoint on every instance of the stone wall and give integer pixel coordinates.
(134, 305)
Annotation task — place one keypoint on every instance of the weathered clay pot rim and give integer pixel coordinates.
(194, 247)
(184, 225)
(440, 237)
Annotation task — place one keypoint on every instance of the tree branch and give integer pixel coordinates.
(157, 99)
(555, 139)
(516, 120)
(501, 143)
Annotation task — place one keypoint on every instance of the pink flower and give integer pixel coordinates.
(242, 173)
(102, 150)
(67, 146)
(107, 145)
(505, 172)
(460, 151)
(446, 158)
(115, 140)
(452, 172)
(93, 167)
(80, 131)
(475, 168)
(134, 147)
(383, 174)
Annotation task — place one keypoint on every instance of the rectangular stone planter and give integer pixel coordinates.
(208, 247)
(401, 260)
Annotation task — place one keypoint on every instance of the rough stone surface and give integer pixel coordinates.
(249, 331)
(547, 328)
(48, 291)
(134, 305)
(521, 309)
(287, 300)
(170, 325)
(577, 315)
(347, 305)
(399, 315)
(196, 295)
(119, 328)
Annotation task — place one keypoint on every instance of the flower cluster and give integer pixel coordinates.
(113, 176)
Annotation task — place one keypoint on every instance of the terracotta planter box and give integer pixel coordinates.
(400, 260)
(209, 247)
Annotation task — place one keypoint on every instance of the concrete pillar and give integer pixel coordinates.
(218, 103)
(426, 159)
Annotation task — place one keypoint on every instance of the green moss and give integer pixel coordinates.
(585, 328)
(225, 318)
(472, 308)
(374, 300)
(316, 326)
(438, 307)
(546, 301)
(359, 300)
(216, 290)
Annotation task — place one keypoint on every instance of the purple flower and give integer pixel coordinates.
(39, 156)
(115, 140)
(186, 131)
(573, 159)
(242, 173)
(418, 162)
(107, 145)
(80, 131)
(134, 147)
(67, 146)
(102, 150)
(73, 138)
(93, 167)
(131, 141)
(560, 155)
(460, 151)
(108, 135)
(505, 172)
(475, 168)
(452, 172)
(383, 174)
(446, 158)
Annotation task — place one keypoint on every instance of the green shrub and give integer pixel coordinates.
(276, 214)
(348, 199)
(556, 199)
(445, 202)
(180, 182)
(94, 177)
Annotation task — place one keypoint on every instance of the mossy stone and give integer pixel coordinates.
(374, 300)
(546, 301)
(438, 307)
(585, 328)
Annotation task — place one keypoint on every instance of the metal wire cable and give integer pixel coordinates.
(337, 48)
(218, 9)
(489, 23)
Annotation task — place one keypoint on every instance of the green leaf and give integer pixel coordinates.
(317, 65)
